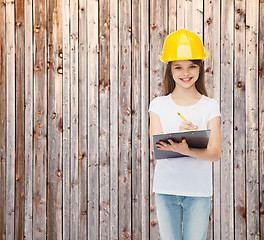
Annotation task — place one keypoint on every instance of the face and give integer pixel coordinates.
(185, 73)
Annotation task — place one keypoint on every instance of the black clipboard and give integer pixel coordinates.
(195, 139)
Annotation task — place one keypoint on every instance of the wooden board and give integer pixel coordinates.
(261, 115)
(74, 121)
(10, 121)
(158, 33)
(40, 121)
(93, 121)
(114, 86)
(239, 121)
(144, 69)
(252, 163)
(125, 211)
(211, 34)
(227, 41)
(135, 124)
(29, 97)
(54, 167)
(20, 130)
(83, 120)
(2, 121)
(66, 120)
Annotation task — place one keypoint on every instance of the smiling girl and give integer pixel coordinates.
(183, 186)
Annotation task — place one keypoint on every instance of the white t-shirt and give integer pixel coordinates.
(185, 176)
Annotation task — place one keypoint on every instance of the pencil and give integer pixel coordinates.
(185, 120)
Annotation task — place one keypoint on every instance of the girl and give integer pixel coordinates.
(183, 186)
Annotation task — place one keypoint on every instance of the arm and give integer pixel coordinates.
(211, 153)
(155, 127)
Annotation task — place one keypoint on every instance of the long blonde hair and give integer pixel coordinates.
(169, 83)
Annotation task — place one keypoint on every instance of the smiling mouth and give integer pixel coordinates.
(186, 80)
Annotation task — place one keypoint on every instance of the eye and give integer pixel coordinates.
(177, 67)
(193, 66)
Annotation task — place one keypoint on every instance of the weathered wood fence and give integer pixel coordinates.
(76, 78)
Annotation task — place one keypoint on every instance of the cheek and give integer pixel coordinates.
(196, 73)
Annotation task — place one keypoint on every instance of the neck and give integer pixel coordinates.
(184, 93)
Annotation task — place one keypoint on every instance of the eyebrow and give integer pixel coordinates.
(177, 64)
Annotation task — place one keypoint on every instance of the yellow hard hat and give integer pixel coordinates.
(182, 45)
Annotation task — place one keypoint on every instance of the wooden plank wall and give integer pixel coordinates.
(76, 79)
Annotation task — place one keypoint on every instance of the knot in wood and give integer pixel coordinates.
(153, 26)
(48, 64)
(37, 68)
(153, 223)
(53, 116)
(59, 70)
(18, 24)
(60, 54)
(128, 112)
(37, 29)
(239, 84)
(209, 21)
(59, 173)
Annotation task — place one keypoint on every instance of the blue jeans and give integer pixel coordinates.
(181, 217)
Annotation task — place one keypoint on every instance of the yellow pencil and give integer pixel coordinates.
(185, 120)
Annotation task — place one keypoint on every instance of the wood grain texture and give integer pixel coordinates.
(261, 115)
(158, 32)
(93, 121)
(29, 97)
(125, 188)
(239, 121)
(10, 121)
(83, 119)
(144, 69)
(74, 121)
(114, 100)
(76, 79)
(66, 120)
(172, 13)
(2, 120)
(54, 167)
(227, 42)
(212, 80)
(104, 137)
(252, 131)
(20, 118)
(136, 163)
(40, 120)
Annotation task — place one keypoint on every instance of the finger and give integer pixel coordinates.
(162, 143)
(170, 141)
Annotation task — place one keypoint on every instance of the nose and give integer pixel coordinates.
(185, 72)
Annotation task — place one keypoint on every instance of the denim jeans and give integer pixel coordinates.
(182, 217)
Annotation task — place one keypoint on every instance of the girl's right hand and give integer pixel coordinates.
(186, 125)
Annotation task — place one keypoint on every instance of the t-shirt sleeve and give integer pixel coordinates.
(214, 110)
(153, 106)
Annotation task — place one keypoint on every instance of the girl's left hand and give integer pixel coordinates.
(181, 147)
